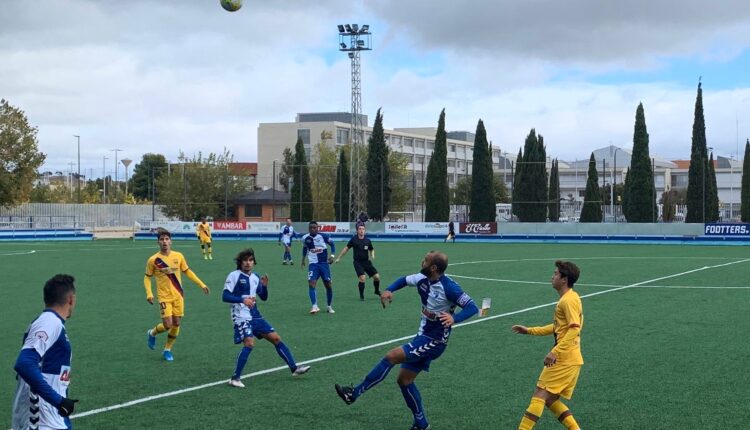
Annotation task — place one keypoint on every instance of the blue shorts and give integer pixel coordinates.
(249, 328)
(319, 270)
(420, 352)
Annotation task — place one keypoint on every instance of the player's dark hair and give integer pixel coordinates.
(440, 260)
(57, 289)
(569, 271)
(312, 223)
(163, 232)
(244, 255)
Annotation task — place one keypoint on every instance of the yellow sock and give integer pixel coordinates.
(171, 337)
(158, 329)
(563, 414)
(532, 414)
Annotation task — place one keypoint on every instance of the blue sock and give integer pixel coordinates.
(241, 360)
(286, 355)
(329, 296)
(287, 257)
(414, 402)
(313, 296)
(376, 375)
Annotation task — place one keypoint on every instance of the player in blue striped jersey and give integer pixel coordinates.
(315, 249)
(43, 365)
(286, 235)
(439, 295)
(241, 289)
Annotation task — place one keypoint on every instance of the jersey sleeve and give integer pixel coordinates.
(42, 335)
(573, 312)
(369, 243)
(230, 282)
(413, 279)
(350, 244)
(183, 264)
(150, 267)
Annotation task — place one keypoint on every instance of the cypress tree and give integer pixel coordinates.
(554, 192)
(592, 205)
(745, 195)
(515, 202)
(378, 172)
(482, 205)
(341, 196)
(639, 197)
(532, 193)
(301, 204)
(712, 193)
(437, 206)
(698, 173)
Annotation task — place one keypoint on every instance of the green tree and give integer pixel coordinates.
(712, 193)
(378, 172)
(482, 206)
(200, 186)
(19, 155)
(639, 200)
(554, 192)
(323, 180)
(437, 207)
(301, 204)
(592, 205)
(341, 195)
(745, 196)
(500, 189)
(668, 205)
(400, 180)
(151, 167)
(515, 198)
(698, 178)
(532, 186)
(461, 193)
(286, 171)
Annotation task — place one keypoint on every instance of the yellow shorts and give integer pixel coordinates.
(559, 379)
(171, 308)
(205, 241)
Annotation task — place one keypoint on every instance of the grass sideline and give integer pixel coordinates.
(655, 357)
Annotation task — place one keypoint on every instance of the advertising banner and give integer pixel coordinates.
(478, 228)
(263, 227)
(334, 227)
(718, 229)
(230, 225)
(417, 227)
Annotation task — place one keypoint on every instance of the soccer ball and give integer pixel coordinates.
(231, 5)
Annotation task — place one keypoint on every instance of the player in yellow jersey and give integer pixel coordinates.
(563, 364)
(203, 231)
(166, 266)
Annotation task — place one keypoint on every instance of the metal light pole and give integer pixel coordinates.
(126, 162)
(104, 179)
(115, 151)
(79, 166)
(614, 183)
(359, 40)
(273, 192)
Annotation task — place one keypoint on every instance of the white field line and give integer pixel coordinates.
(513, 281)
(518, 260)
(376, 345)
(18, 253)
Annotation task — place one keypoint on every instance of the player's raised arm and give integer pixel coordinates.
(193, 277)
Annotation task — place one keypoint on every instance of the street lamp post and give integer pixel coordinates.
(78, 180)
(126, 162)
(115, 151)
(104, 179)
(273, 192)
(614, 183)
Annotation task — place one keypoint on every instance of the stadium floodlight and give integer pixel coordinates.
(365, 28)
(341, 29)
(343, 45)
(355, 28)
(348, 28)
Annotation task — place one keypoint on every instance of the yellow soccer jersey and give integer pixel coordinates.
(167, 269)
(204, 232)
(568, 314)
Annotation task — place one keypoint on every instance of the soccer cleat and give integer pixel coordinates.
(330, 310)
(300, 370)
(417, 427)
(377, 293)
(168, 355)
(346, 393)
(283, 263)
(210, 257)
(236, 383)
(205, 257)
(150, 340)
(291, 263)
(314, 310)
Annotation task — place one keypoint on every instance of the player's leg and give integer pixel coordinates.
(412, 397)
(312, 281)
(361, 285)
(325, 273)
(288, 253)
(242, 333)
(284, 352)
(372, 272)
(174, 330)
(203, 249)
(535, 409)
(567, 377)
(165, 309)
(208, 245)
(377, 374)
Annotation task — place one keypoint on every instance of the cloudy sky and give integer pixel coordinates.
(169, 76)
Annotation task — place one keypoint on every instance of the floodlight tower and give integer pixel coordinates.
(359, 39)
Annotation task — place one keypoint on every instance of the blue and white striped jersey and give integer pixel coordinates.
(438, 296)
(287, 234)
(241, 285)
(46, 336)
(315, 248)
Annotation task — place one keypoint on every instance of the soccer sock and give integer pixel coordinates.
(329, 296)
(377, 286)
(241, 361)
(532, 414)
(361, 287)
(563, 415)
(376, 375)
(158, 329)
(286, 355)
(414, 402)
(313, 296)
(286, 256)
(209, 249)
(203, 249)
(171, 337)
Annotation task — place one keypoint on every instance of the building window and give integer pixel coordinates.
(460, 164)
(342, 136)
(253, 211)
(304, 134)
(451, 163)
(408, 142)
(430, 145)
(452, 148)
(419, 143)
(419, 160)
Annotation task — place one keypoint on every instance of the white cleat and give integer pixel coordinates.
(236, 383)
(330, 310)
(300, 370)
(314, 310)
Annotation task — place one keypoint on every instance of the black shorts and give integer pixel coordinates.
(362, 267)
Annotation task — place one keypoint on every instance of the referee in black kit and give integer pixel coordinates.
(363, 253)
